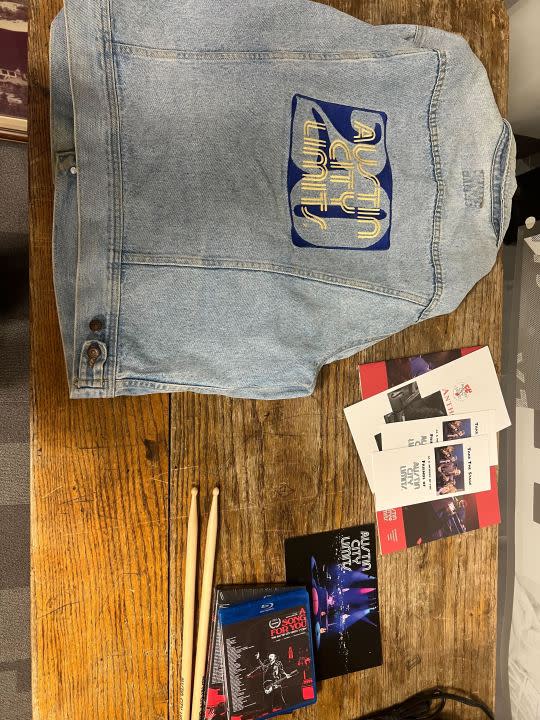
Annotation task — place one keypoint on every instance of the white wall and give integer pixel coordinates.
(524, 87)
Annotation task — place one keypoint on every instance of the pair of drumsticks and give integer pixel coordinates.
(190, 706)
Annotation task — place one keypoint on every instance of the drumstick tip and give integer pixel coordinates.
(194, 491)
(215, 491)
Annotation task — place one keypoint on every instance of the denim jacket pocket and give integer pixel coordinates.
(503, 181)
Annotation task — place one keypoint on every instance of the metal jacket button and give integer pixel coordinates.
(93, 354)
(95, 325)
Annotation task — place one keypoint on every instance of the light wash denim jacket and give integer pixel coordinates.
(247, 191)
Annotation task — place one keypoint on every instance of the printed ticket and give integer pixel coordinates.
(430, 431)
(407, 476)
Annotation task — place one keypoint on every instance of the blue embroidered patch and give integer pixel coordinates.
(339, 177)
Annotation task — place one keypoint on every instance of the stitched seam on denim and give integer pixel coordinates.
(115, 251)
(506, 178)
(492, 176)
(103, 390)
(229, 264)
(110, 225)
(434, 136)
(52, 129)
(75, 353)
(78, 383)
(502, 183)
(111, 177)
(334, 357)
(216, 55)
(131, 382)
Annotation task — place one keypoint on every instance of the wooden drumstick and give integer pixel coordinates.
(204, 608)
(186, 672)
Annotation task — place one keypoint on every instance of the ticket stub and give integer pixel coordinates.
(430, 431)
(406, 476)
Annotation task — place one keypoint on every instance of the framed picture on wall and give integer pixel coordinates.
(14, 69)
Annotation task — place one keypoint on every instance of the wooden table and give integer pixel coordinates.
(111, 483)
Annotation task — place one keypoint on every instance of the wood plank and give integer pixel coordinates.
(99, 494)
(290, 467)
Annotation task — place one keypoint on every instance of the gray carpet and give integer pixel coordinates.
(15, 688)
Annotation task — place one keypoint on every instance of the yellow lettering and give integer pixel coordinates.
(321, 170)
(363, 132)
(314, 218)
(338, 165)
(310, 125)
(321, 200)
(363, 163)
(310, 182)
(319, 155)
(368, 211)
(360, 160)
(314, 143)
(374, 198)
(344, 163)
(335, 147)
(347, 179)
(375, 228)
(343, 200)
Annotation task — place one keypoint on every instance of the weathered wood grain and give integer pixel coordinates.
(99, 494)
(288, 468)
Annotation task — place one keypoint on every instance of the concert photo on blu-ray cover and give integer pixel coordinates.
(340, 572)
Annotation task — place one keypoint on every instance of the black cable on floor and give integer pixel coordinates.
(427, 705)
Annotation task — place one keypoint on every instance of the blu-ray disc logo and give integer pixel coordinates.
(274, 623)
(462, 391)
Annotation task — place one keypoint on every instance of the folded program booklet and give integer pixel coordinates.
(464, 385)
(411, 475)
(412, 525)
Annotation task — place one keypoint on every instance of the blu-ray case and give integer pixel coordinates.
(268, 656)
(214, 699)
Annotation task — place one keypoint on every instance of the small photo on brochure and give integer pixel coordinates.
(399, 370)
(441, 518)
(408, 404)
(456, 429)
(450, 469)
